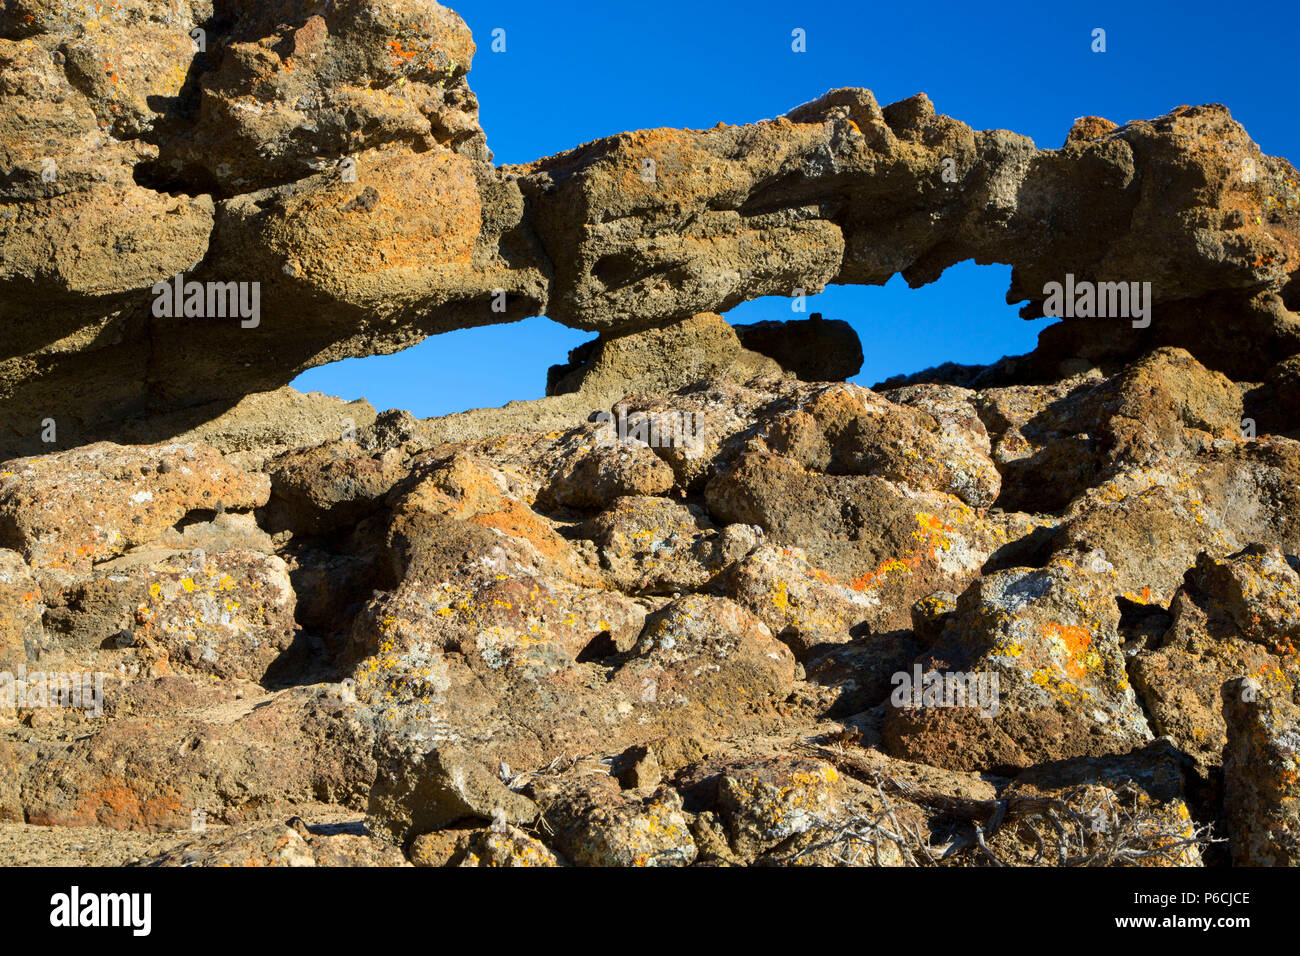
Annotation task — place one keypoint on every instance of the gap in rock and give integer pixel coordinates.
(962, 317)
(483, 367)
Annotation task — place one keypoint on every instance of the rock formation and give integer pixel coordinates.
(332, 155)
(704, 603)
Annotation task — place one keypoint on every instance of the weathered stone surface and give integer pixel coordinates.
(502, 845)
(702, 347)
(1050, 639)
(321, 489)
(419, 793)
(598, 825)
(658, 546)
(801, 604)
(96, 502)
(291, 844)
(22, 633)
(335, 157)
(1153, 521)
(1054, 441)
(331, 155)
(1261, 766)
(236, 761)
(512, 638)
(1233, 618)
(229, 614)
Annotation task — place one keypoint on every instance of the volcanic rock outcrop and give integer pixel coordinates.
(332, 156)
(704, 603)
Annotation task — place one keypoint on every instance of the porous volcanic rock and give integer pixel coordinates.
(333, 157)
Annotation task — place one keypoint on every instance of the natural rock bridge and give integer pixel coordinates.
(335, 159)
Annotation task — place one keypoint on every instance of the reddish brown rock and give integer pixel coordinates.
(96, 502)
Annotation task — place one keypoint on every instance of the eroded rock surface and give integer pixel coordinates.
(333, 158)
(705, 603)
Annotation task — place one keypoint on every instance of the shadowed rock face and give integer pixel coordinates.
(334, 156)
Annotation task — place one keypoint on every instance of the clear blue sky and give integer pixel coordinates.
(573, 72)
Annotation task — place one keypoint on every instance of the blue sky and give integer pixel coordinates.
(573, 72)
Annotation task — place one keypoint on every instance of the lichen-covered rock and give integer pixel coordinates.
(1152, 522)
(22, 632)
(236, 761)
(1233, 618)
(659, 546)
(334, 157)
(1118, 810)
(502, 845)
(596, 477)
(229, 614)
(1038, 657)
(884, 541)
(803, 605)
(1054, 441)
(1261, 769)
(766, 803)
(67, 510)
(710, 654)
(596, 824)
(710, 218)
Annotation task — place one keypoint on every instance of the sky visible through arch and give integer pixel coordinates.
(573, 72)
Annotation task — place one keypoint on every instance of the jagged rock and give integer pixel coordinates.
(848, 430)
(814, 349)
(598, 476)
(95, 502)
(1232, 618)
(1049, 638)
(733, 201)
(709, 653)
(766, 803)
(334, 157)
(1260, 768)
(418, 793)
(596, 824)
(624, 649)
